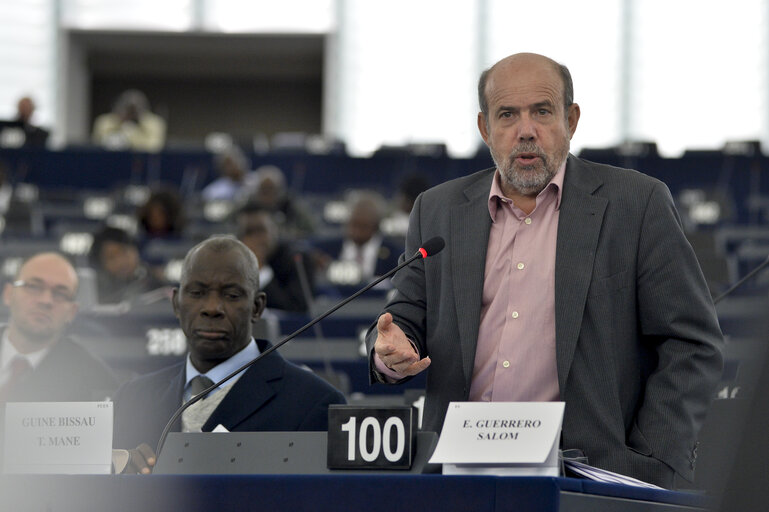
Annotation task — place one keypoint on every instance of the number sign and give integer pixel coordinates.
(367, 437)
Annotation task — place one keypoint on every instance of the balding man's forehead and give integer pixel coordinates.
(524, 73)
(527, 59)
(525, 64)
(50, 268)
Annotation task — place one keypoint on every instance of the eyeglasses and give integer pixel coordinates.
(36, 289)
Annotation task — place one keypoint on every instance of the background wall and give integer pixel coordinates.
(685, 73)
(241, 84)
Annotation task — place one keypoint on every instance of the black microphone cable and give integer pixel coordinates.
(741, 281)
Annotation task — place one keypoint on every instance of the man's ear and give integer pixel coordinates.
(483, 127)
(260, 301)
(572, 118)
(175, 302)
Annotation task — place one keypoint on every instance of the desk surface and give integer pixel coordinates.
(364, 492)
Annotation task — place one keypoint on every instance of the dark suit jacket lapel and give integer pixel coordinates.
(470, 224)
(252, 390)
(171, 397)
(579, 226)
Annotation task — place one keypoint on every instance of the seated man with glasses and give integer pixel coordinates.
(39, 362)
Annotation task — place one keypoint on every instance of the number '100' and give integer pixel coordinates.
(378, 435)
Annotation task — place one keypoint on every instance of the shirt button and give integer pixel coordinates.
(515, 314)
(520, 266)
(527, 220)
(506, 364)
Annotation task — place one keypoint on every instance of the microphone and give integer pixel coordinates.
(430, 248)
(741, 281)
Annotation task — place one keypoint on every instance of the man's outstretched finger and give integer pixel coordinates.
(384, 321)
(417, 367)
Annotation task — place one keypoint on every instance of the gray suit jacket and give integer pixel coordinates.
(638, 345)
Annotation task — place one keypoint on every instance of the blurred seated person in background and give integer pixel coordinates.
(267, 188)
(19, 213)
(362, 244)
(232, 165)
(39, 362)
(30, 135)
(42, 303)
(130, 125)
(120, 273)
(279, 275)
(397, 222)
(217, 302)
(162, 215)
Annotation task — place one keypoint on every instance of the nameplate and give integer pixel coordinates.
(371, 437)
(511, 438)
(58, 437)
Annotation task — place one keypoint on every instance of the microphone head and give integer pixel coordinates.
(432, 246)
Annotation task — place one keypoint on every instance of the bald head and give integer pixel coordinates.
(366, 212)
(50, 264)
(525, 62)
(221, 245)
(41, 300)
(218, 300)
(528, 121)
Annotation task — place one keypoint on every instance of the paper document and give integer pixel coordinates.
(602, 475)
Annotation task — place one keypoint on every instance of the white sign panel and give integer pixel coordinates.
(58, 437)
(481, 437)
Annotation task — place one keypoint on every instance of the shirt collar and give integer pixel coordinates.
(555, 185)
(8, 352)
(224, 368)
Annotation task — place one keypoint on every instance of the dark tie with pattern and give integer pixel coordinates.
(199, 384)
(19, 367)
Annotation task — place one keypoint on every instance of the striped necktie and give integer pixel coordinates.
(199, 383)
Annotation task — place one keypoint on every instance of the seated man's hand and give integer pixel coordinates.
(141, 460)
(395, 350)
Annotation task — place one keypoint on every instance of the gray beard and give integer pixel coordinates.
(527, 180)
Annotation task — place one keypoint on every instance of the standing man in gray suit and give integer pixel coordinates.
(562, 280)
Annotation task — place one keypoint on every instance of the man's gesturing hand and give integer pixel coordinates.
(395, 350)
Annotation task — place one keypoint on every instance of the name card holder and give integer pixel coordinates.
(501, 438)
(58, 437)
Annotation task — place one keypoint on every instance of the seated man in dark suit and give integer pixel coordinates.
(279, 260)
(21, 132)
(121, 274)
(363, 244)
(39, 362)
(217, 301)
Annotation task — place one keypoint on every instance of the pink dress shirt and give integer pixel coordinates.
(515, 353)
